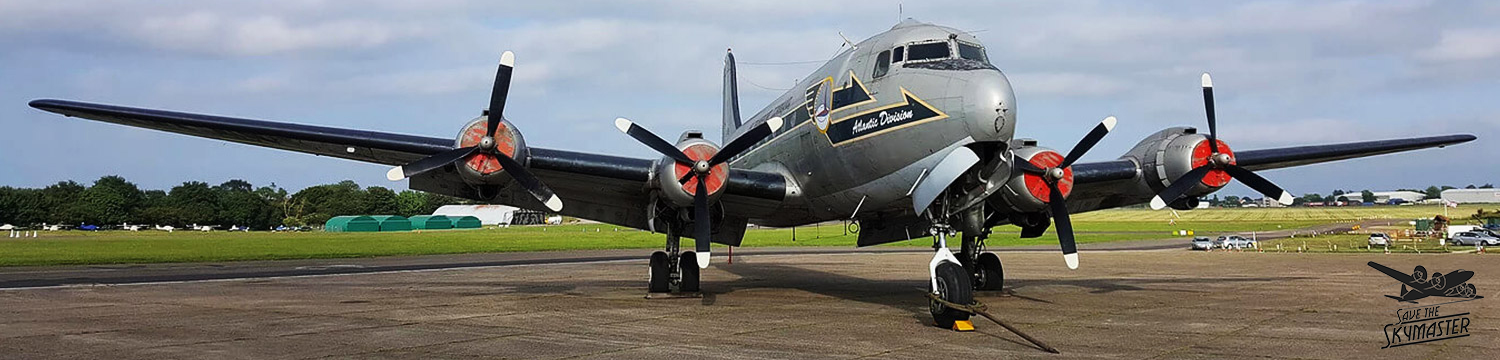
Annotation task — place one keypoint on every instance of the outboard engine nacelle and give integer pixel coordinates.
(484, 169)
(1169, 154)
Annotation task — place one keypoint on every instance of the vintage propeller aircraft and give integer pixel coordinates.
(910, 133)
(1454, 284)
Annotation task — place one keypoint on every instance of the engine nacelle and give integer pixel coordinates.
(1027, 192)
(482, 168)
(669, 172)
(1168, 154)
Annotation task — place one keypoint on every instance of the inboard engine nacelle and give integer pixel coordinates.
(670, 173)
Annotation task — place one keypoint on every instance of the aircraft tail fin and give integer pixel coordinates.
(731, 98)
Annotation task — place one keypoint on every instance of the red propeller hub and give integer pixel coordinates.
(1203, 156)
(483, 162)
(716, 174)
(1037, 184)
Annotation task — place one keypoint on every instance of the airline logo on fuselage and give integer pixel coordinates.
(909, 112)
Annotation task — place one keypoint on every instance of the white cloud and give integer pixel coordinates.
(208, 32)
(1464, 45)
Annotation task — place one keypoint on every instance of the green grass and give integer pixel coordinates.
(117, 247)
(1357, 243)
(1460, 215)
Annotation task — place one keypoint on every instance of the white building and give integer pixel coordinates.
(1470, 196)
(487, 214)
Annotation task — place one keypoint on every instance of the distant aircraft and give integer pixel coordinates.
(167, 228)
(1422, 285)
(127, 226)
(204, 228)
(909, 133)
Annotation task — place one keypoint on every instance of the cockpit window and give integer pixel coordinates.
(928, 51)
(882, 64)
(972, 52)
(898, 55)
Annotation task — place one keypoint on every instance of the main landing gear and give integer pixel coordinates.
(983, 268)
(673, 267)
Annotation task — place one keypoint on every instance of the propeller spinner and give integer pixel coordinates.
(487, 147)
(1217, 165)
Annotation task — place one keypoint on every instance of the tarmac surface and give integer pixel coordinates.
(778, 303)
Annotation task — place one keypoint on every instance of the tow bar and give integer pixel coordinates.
(982, 310)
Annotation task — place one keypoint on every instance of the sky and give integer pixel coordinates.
(1286, 73)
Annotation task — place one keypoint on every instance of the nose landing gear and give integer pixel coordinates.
(950, 282)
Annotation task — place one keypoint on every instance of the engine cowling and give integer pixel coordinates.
(1028, 193)
(1171, 153)
(483, 168)
(669, 172)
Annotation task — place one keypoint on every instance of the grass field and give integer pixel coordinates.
(116, 247)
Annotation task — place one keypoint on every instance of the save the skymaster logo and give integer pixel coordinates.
(1428, 323)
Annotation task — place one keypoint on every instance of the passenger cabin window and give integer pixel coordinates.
(898, 54)
(929, 51)
(882, 64)
(972, 52)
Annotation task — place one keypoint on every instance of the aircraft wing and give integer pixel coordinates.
(1110, 184)
(601, 187)
(1086, 173)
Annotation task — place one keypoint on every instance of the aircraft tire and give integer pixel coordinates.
(687, 263)
(660, 274)
(991, 274)
(953, 286)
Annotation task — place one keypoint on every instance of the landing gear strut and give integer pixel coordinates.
(673, 267)
(982, 267)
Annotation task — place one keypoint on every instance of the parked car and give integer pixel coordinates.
(1380, 239)
(1474, 238)
(1234, 242)
(1202, 243)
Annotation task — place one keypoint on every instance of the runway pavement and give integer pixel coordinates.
(778, 304)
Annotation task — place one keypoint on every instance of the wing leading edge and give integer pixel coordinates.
(609, 184)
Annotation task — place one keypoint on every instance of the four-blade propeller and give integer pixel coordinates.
(1219, 162)
(1053, 175)
(699, 169)
(488, 145)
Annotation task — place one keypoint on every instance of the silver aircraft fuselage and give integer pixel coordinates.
(885, 126)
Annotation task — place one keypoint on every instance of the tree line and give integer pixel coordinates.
(112, 200)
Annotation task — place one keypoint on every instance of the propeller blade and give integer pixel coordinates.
(1182, 185)
(501, 91)
(684, 179)
(1089, 141)
(651, 140)
(1208, 106)
(429, 163)
(1064, 227)
(1027, 166)
(530, 182)
(1259, 184)
(746, 141)
(704, 231)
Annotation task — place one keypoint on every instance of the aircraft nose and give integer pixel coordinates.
(990, 106)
